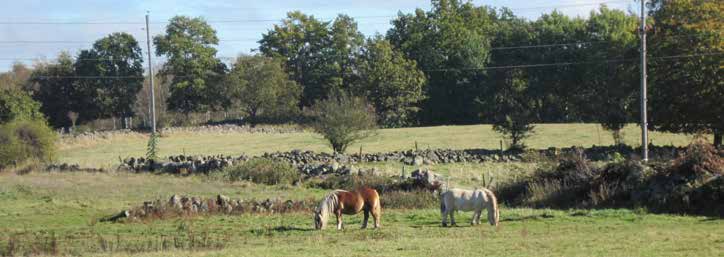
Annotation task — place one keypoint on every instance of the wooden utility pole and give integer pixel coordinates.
(150, 77)
(644, 125)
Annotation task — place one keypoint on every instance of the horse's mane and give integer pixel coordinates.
(328, 205)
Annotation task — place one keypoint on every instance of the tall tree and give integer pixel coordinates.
(451, 44)
(111, 73)
(16, 78)
(609, 93)
(299, 41)
(687, 86)
(391, 82)
(53, 85)
(261, 87)
(189, 44)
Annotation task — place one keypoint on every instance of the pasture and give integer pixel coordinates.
(67, 206)
(49, 213)
(106, 151)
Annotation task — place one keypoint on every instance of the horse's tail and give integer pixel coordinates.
(493, 211)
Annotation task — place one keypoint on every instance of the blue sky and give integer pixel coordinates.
(373, 16)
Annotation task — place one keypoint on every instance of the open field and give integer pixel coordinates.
(105, 152)
(67, 205)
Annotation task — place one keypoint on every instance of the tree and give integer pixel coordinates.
(513, 113)
(17, 78)
(609, 92)
(393, 83)
(53, 85)
(687, 92)
(112, 74)
(451, 44)
(260, 86)
(320, 56)
(343, 119)
(196, 72)
(18, 105)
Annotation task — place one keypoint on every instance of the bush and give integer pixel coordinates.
(351, 182)
(23, 140)
(264, 171)
(18, 105)
(565, 186)
(343, 119)
(692, 184)
(418, 199)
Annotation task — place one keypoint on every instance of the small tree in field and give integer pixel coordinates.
(515, 128)
(343, 119)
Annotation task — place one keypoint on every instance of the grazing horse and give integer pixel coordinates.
(345, 202)
(456, 199)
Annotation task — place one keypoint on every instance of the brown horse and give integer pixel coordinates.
(345, 202)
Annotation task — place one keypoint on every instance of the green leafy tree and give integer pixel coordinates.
(609, 93)
(686, 93)
(393, 83)
(320, 56)
(189, 44)
(53, 85)
(112, 74)
(343, 119)
(261, 87)
(451, 44)
(18, 105)
(513, 113)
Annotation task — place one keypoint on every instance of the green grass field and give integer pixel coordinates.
(68, 205)
(106, 152)
(57, 213)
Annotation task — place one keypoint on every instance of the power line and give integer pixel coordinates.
(442, 70)
(211, 21)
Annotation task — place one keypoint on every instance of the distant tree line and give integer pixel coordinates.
(454, 64)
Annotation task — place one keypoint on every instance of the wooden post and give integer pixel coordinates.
(501, 146)
(416, 149)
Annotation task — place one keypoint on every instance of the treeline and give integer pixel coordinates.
(454, 64)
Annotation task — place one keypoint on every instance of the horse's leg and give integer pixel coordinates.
(452, 217)
(443, 213)
(377, 213)
(339, 219)
(367, 217)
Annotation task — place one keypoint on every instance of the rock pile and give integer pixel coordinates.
(181, 164)
(229, 128)
(182, 205)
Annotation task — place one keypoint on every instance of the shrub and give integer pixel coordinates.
(18, 105)
(264, 171)
(343, 119)
(351, 182)
(692, 184)
(617, 184)
(418, 199)
(23, 140)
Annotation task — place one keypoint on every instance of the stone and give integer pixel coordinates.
(418, 161)
(175, 202)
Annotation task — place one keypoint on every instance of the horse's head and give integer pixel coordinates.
(318, 222)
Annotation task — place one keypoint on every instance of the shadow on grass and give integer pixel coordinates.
(529, 217)
(290, 228)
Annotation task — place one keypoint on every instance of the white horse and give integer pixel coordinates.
(455, 199)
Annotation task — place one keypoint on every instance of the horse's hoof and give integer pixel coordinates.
(444, 224)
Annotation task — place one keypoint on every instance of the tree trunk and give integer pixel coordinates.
(114, 122)
(718, 139)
